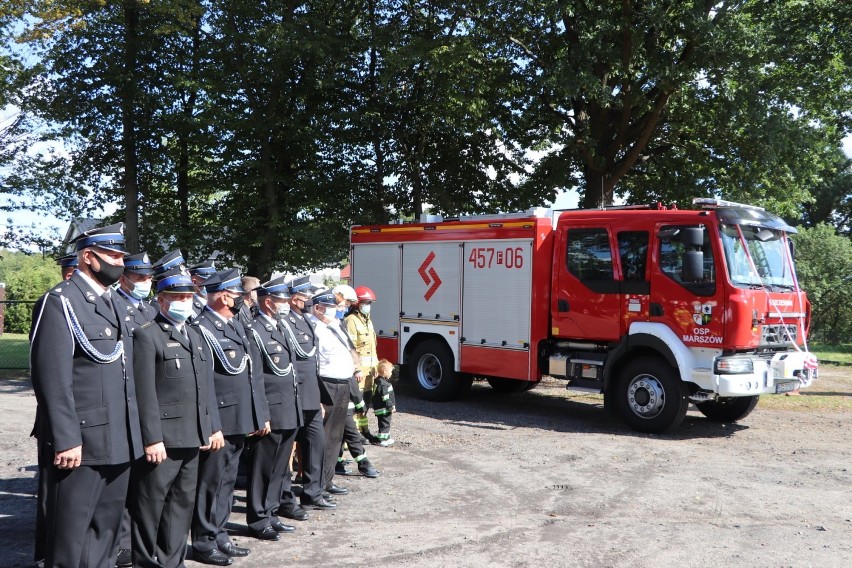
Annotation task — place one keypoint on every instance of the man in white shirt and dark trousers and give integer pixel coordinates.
(336, 367)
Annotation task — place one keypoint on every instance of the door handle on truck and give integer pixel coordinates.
(562, 306)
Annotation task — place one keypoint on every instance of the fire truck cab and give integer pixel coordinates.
(653, 307)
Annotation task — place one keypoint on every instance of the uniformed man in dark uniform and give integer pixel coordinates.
(68, 265)
(311, 435)
(135, 286)
(241, 400)
(269, 473)
(200, 273)
(133, 292)
(88, 422)
(178, 415)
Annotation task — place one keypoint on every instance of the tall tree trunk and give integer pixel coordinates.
(128, 125)
(380, 210)
(185, 134)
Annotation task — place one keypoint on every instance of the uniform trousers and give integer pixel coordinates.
(352, 438)
(384, 425)
(163, 501)
(269, 473)
(217, 476)
(311, 438)
(84, 507)
(334, 424)
(41, 515)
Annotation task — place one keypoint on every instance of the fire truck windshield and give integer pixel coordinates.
(750, 248)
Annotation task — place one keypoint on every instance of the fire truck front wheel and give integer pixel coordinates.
(650, 396)
(431, 367)
(728, 408)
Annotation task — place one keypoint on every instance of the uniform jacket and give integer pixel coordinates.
(140, 313)
(282, 392)
(81, 401)
(174, 385)
(384, 401)
(311, 388)
(240, 398)
(363, 336)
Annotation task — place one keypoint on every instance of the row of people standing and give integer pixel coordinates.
(138, 408)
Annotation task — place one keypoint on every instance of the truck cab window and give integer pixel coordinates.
(671, 260)
(589, 256)
(633, 252)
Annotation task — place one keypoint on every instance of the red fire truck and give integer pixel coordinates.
(654, 307)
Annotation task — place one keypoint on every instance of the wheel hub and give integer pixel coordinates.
(429, 371)
(646, 396)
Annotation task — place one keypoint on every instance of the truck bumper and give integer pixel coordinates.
(783, 373)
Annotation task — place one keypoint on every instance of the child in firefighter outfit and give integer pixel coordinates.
(384, 402)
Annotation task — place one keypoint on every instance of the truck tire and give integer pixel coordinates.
(727, 408)
(508, 386)
(650, 396)
(431, 372)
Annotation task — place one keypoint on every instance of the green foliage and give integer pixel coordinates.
(824, 267)
(14, 351)
(261, 130)
(833, 353)
(27, 277)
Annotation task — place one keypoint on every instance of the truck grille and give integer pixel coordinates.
(775, 334)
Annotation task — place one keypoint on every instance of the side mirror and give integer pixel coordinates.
(692, 266)
(692, 237)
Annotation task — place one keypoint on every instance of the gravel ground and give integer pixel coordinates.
(548, 478)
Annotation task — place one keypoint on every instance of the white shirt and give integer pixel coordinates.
(334, 358)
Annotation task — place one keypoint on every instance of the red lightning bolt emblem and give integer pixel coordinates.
(429, 276)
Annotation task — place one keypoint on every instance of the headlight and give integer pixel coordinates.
(733, 366)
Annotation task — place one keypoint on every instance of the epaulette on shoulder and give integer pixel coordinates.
(59, 288)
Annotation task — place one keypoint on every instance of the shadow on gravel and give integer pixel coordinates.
(17, 519)
(14, 385)
(544, 409)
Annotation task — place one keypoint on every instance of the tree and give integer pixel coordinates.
(431, 124)
(682, 93)
(27, 277)
(824, 268)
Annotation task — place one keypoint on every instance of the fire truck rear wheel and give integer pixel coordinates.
(728, 408)
(432, 370)
(650, 396)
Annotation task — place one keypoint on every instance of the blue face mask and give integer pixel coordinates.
(340, 313)
(180, 311)
(141, 290)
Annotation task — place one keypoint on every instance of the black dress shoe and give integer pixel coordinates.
(125, 558)
(266, 533)
(215, 557)
(320, 503)
(296, 513)
(335, 490)
(367, 469)
(282, 528)
(232, 550)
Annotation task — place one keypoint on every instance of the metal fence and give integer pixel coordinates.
(15, 321)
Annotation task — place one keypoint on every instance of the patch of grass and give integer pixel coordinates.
(836, 353)
(14, 351)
